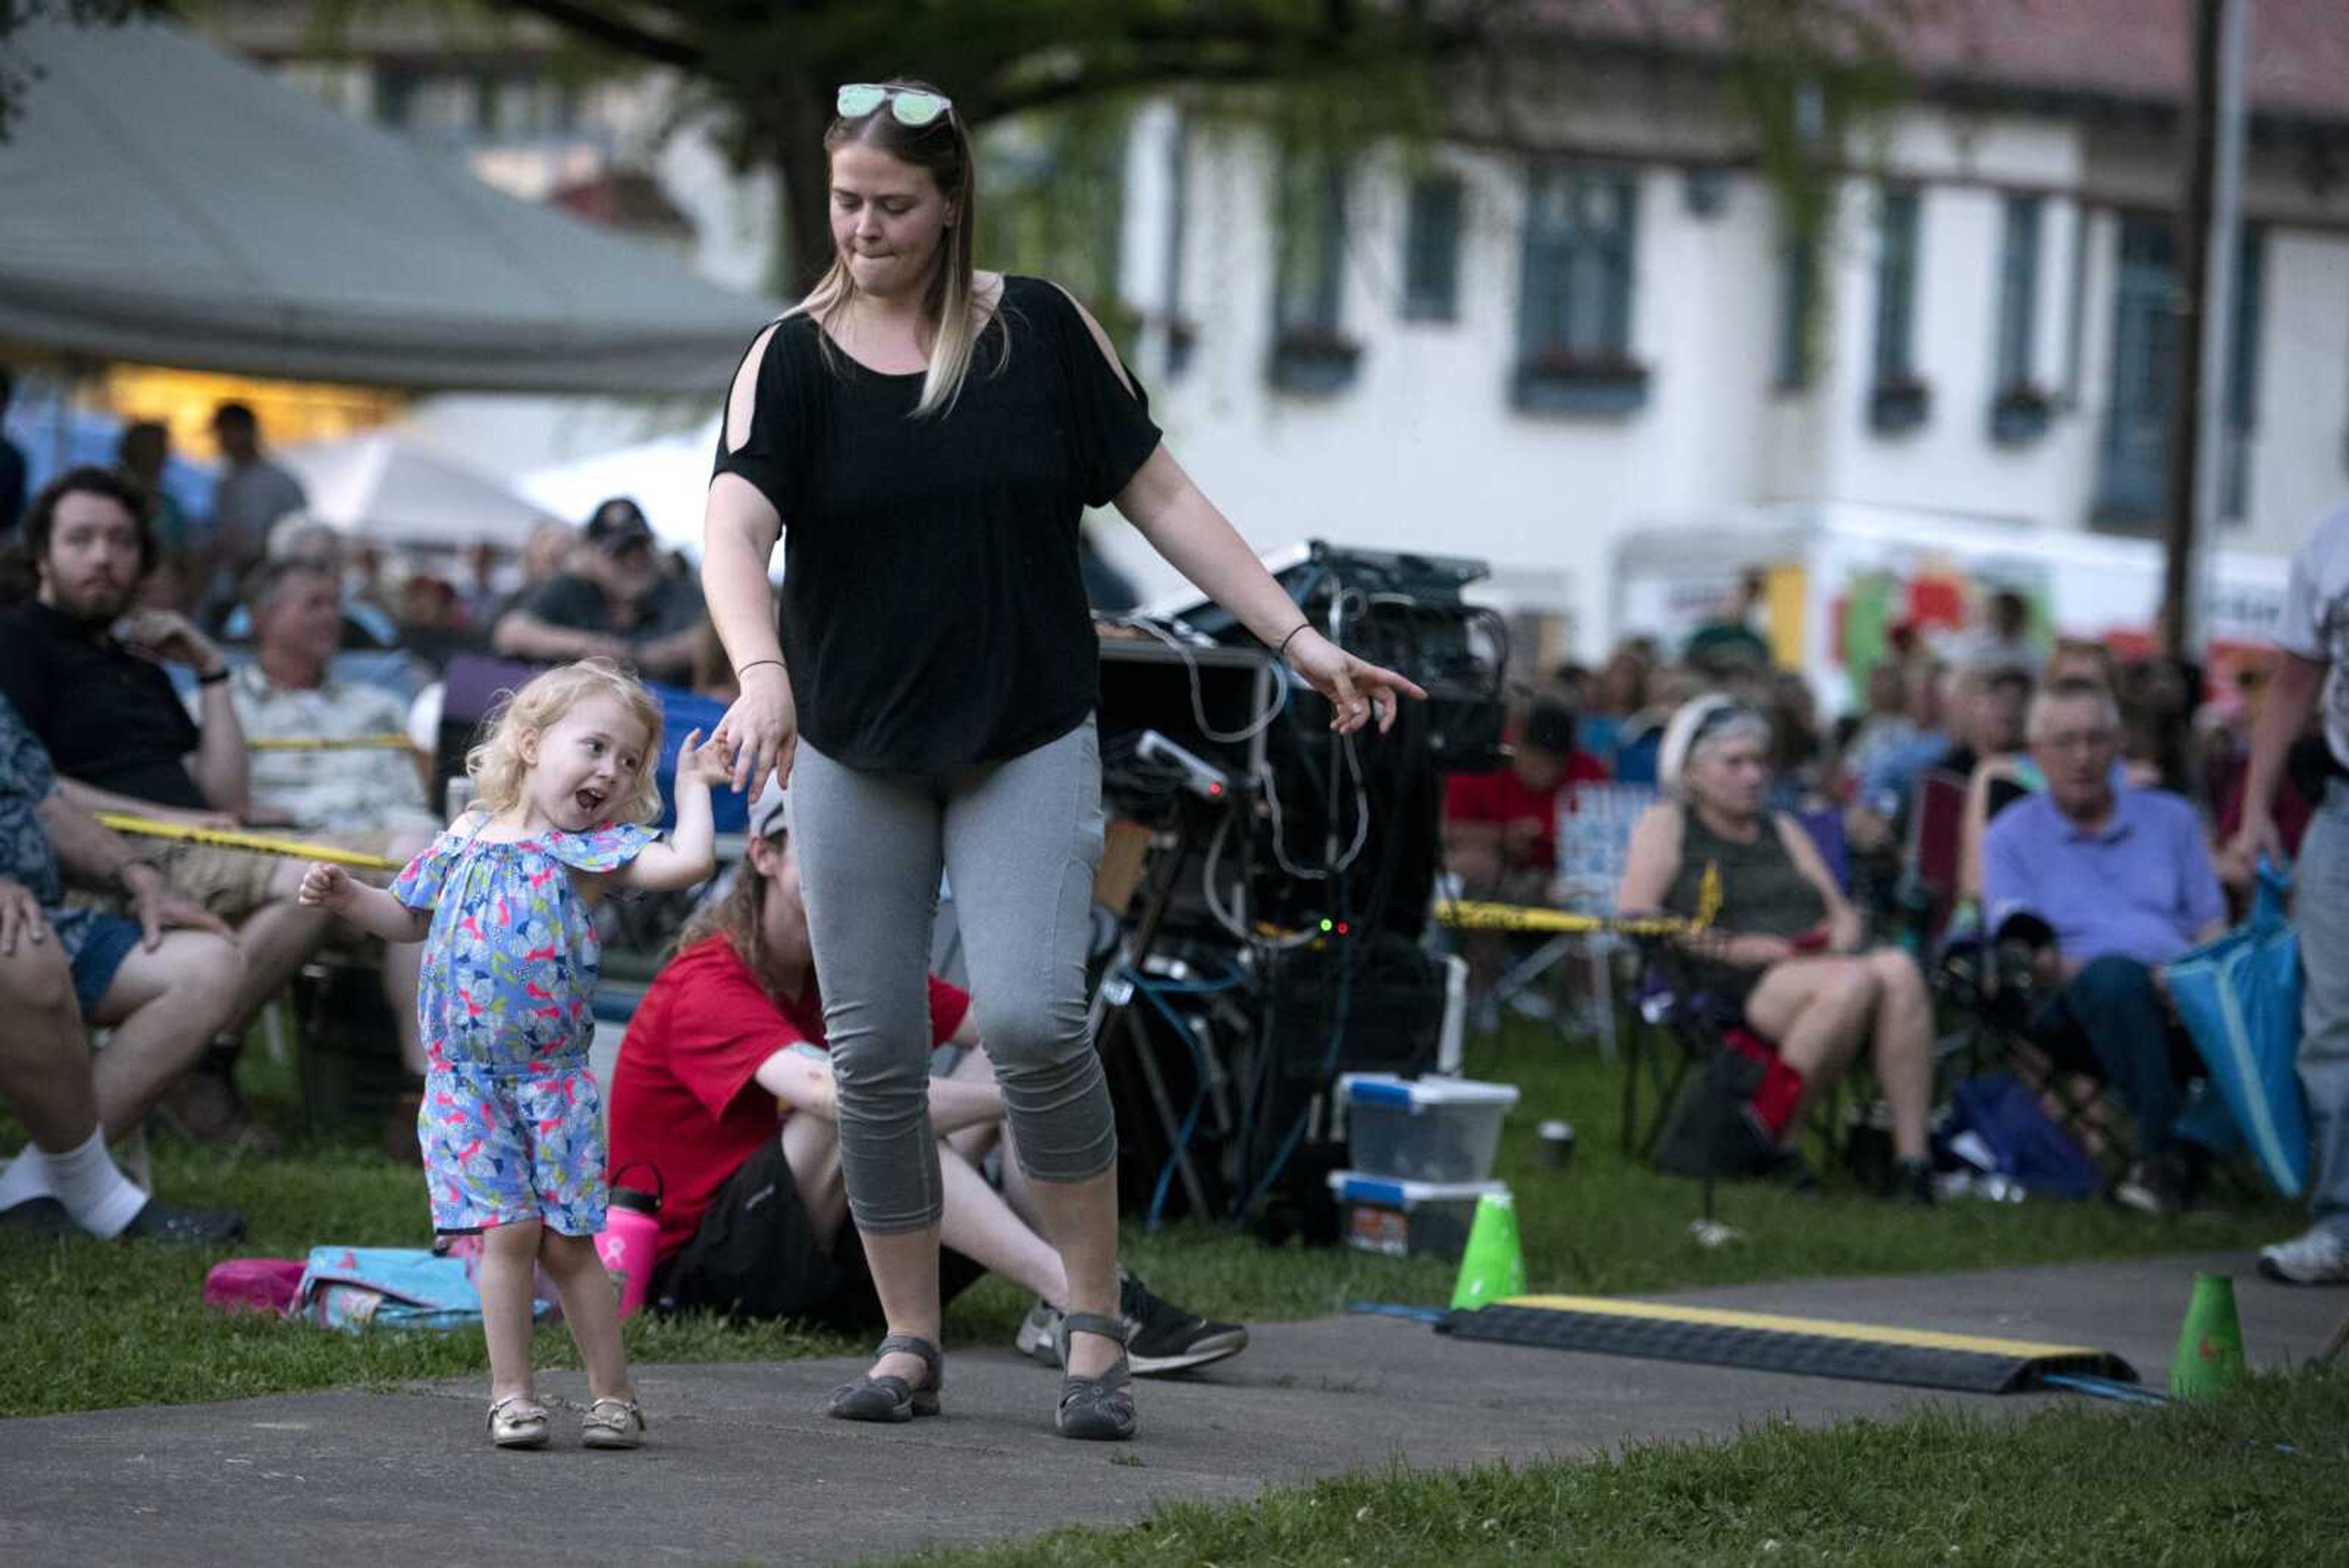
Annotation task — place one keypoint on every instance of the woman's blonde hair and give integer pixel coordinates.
(943, 148)
(496, 765)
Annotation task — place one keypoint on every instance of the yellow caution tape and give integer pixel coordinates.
(255, 843)
(1468, 915)
(387, 742)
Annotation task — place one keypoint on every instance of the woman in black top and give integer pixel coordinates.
(932, 435)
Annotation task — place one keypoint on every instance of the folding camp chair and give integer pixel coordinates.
(1594, 836)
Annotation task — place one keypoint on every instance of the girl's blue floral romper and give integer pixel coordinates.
(512, 1126)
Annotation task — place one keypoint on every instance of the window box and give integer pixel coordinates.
(1896, 405)
(1579, 385)
(2018, 415)
(1314, 361)
(1704, 190)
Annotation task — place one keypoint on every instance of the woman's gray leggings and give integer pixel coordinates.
(1020, 841)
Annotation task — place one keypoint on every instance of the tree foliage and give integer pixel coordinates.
(18, 76)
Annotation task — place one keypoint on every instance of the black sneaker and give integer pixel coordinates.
(2163, 1187)
(1162, 1337)
(38, 1217)
(160, 1221)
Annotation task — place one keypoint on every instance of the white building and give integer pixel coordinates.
(1525, 350)
(1574, 322)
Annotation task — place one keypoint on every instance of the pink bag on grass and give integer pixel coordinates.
(253, 1284)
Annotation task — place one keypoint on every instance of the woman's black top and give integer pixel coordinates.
(933, 613)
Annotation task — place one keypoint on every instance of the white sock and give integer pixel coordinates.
(25, 1177)
(93, 1188)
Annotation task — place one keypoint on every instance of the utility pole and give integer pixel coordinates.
(2207, 248)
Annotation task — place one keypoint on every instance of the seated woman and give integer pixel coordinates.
(1782, 946)
(724, 1088)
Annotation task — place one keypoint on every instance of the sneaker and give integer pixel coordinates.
(38, 1217)
(2162, 1187)
(161, 1221)
(1161, 1338)
(2319, 1256)
(1035, 1338)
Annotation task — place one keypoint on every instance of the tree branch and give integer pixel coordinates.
(593, 23)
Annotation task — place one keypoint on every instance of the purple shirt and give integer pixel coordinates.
(2142, 888)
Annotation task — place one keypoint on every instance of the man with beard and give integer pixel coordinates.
(86, 679)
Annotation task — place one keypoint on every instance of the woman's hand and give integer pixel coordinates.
(1359, 693)
(761, 729)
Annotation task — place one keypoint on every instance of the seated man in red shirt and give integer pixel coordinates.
(725, 1090)
(1500, 829)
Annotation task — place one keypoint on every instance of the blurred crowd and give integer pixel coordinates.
(1955, 707)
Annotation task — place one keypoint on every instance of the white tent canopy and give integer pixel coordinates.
(391, 490)
(168, 205)
(668, 478)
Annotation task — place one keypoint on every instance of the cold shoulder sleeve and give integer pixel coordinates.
(1110, 412)
(418, 887)
(601, 848)
(758, 437)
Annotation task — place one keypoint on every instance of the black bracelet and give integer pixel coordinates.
(214, 678)
(755, 663)
(1281, 650)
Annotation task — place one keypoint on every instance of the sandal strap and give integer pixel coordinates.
(913, 1345)
(1092, 1322)
(627, 1410)
(530, 1409)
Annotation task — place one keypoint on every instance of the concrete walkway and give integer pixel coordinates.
(742, 1467)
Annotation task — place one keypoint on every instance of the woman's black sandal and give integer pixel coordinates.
(1097, 1409)
(871, 1398)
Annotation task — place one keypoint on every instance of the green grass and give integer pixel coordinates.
(2076, 1483)
(85, 1325)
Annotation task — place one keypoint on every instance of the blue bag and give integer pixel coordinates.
(2240, 999)
(2027, 1145)
(355, 1288)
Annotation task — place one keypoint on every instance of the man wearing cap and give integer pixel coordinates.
(614, 602)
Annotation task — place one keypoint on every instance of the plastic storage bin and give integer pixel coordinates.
(1408, 1219)
(1427, 1129)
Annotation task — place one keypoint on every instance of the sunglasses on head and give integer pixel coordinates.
(911, 105)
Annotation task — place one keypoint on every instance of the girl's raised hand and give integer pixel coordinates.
(326, 887)
(700, 762)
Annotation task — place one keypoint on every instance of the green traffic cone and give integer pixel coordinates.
(1495, 1264)
(2210, 1358)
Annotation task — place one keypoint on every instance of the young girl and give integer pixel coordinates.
(512, 1126)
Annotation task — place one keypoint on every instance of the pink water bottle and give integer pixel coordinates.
(629, 1242)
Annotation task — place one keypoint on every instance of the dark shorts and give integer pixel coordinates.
(757, 1255)
(108, 942)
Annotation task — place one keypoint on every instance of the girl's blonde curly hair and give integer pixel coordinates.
(496, 765)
